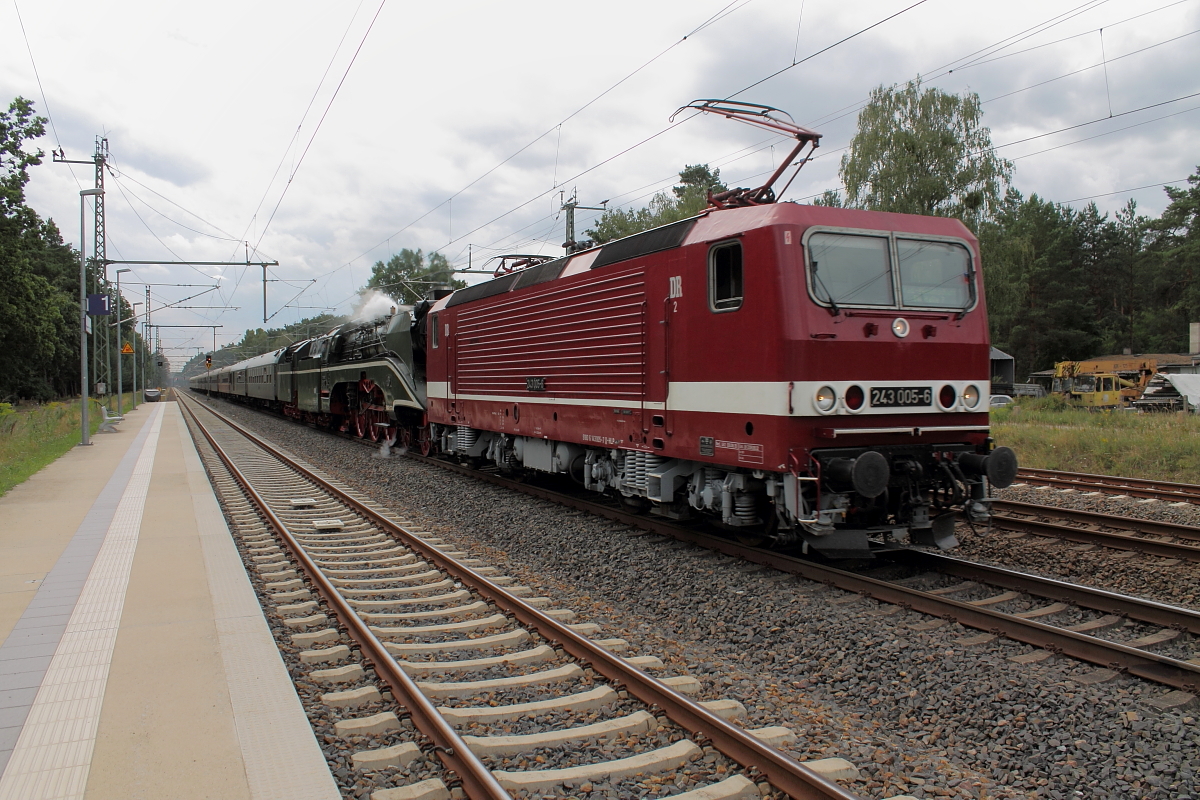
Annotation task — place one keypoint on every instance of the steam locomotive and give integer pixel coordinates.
(807, 375)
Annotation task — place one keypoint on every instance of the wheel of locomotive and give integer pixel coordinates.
(381, 421)
(361, 424)
(371, 417)
(405, 438)
(424, 440)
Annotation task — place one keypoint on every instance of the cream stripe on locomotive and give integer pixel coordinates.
(774, 398)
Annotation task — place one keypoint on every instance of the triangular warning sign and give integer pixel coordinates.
(127, 349)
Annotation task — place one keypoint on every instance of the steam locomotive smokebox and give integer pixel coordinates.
(868, 474)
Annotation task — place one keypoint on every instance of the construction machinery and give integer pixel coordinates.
(1103, 383)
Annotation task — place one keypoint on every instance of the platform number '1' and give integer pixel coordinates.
(676, 290)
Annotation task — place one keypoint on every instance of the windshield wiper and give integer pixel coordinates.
(833, 306)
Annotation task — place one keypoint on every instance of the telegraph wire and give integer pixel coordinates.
(166, 247)
(169, 219)
(712, 20)
(990, 49)
(825, 49)
(1085, 124)
(686, 119)
(1028, 33)
(37, 75)
(42, 91)
(1041, 27)
(296, 168)
(303, 117)
(1123, 191)
(1072, 36)
(120, 175)
(1103, 63)
(1106, 133)
(320, 122)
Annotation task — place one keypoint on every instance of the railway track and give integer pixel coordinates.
(401, 627)
(1108, 530)
(997, 601)
(1111, 484)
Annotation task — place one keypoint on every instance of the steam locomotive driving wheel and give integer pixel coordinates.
(371, 420)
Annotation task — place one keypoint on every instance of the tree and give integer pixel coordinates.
(687, 199)
(1172, 267)
(17, 126)
(39, 292)
(924, 152)
(406, 276)
(1040, 307)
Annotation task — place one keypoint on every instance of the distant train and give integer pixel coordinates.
(806, 375)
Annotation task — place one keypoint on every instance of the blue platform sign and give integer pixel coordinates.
(98, 305)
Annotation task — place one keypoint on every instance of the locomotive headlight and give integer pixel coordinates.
(900, 327)
(970, 396)
(824, 399)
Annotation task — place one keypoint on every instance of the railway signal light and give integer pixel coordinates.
(208, 361)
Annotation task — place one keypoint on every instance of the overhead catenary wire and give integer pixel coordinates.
(1124, 191)
(295, 169)
(950, 66)
(303, 116)
(712, 20)
(42, 91)
(320, 122)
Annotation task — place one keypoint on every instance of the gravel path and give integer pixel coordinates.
(916, 711)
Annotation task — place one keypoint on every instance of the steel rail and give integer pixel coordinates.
(1150, 611)
(1116, 541)
(1151, 666)
(477, 780)
(779, 769)
(1134, 487)
(1152, 526)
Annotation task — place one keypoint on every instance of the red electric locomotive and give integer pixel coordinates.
(803, 373)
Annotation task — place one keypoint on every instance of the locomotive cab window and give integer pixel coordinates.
(433, 330)
(849, 270)
(725, 277)
(934, 274)
(888, 270)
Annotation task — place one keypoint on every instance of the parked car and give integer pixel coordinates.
(1000, 400)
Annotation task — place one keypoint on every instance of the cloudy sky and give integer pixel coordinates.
(329, 135)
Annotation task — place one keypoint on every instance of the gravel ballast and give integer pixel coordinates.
(915, 710)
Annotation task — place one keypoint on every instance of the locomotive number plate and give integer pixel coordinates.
(895, 396)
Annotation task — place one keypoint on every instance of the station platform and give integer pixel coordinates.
(135, 659)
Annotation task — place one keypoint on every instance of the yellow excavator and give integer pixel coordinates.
(1103, 383)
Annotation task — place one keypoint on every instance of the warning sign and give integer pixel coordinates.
(127, 349)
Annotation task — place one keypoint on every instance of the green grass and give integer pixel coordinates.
(33, 436)
(1046, 433)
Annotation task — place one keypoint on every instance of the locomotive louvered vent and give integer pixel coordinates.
(541, 273)
(581, 340)
(482, 290)
(640, 244)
